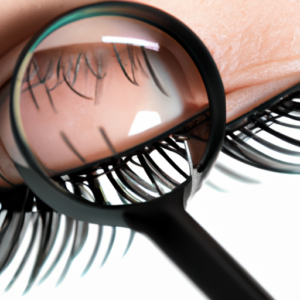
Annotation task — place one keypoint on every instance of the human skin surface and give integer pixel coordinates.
(255, 44)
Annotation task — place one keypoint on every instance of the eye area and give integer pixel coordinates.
(95, 100)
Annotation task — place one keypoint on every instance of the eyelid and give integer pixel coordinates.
(8, 61)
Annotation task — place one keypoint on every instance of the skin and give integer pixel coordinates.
(255, 44)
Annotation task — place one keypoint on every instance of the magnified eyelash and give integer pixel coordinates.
(30, 88)
(135, 64)
(70, 146)
(108, 142)
(57, 75)
(97, 88)
(141, 66)
(133, 81)
(170, 161)
(164, 176)
(149, 173)
(70, 66)
(98, 76)
(152, 73)
(77, 93)
(77, 66)
(132, 62)
(42, 81)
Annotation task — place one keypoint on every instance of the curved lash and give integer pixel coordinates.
(268, 137)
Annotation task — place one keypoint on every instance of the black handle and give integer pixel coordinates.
(196, 253)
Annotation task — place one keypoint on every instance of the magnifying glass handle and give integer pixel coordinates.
(196, 253)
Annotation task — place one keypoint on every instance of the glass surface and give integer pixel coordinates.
(113, 87)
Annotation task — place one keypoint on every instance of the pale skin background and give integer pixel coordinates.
(255, 44)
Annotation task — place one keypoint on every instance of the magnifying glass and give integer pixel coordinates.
(116, 115)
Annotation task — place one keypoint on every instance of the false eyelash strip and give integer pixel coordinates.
(286, 113)
(268, 144)
(45, 224)
(51, 222)
(278, 134)
(245, 153)
(65, 241)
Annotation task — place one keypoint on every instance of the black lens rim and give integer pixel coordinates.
(74, 206)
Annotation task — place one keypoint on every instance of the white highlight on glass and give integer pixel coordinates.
(131, 41)
(143, 121)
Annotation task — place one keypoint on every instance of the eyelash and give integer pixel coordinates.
(129, 185)
(132, 55)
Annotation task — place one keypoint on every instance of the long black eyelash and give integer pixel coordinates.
(70, 66)
(30, 88)
(97, 87)
(70, 146)
(77, 66)
(98, 76)
(149, 172)
(169, 160)
(47, 76)
(132, 62)
(107, 141)
(57, 75)
(152, 73)
(133, 81)
(77, 93)
(141, 66)
(269, 119)
(165, 175)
